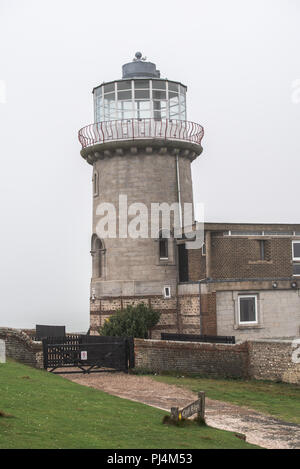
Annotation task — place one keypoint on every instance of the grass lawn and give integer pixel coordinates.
(277, 399)
(48, 411)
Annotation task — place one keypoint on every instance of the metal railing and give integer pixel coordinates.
(137, 129)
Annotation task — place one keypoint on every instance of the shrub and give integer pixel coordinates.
(134, 321)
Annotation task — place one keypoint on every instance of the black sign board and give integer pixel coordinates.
(42, 332)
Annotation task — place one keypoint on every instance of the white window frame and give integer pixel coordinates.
(293, 243)
(242, 323)
(167, 297)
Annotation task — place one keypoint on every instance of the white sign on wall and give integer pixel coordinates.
(2, 352)
(84, 356)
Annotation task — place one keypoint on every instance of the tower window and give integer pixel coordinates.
(163, 248)
(264, 250)
(95, 184)
(97, 253)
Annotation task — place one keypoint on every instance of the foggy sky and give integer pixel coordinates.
(239, 60)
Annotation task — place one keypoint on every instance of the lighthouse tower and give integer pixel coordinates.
(140, 147)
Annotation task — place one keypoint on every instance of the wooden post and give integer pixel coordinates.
(175, 413)
(201, 413)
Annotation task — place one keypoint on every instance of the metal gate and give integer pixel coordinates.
(88, 354)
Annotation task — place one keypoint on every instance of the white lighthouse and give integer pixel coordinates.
(141, 146)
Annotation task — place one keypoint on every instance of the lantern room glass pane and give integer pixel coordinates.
(159, 94)
(142, 84)
(144, 105)
(142, 94)
(124, 85)
(109, 97)
(142, 109)
(108, 88)
(98, 92)
(173, 86)
(125, 110)
(172, 95)
(124, 95)
(159, 85)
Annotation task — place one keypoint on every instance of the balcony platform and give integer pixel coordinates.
(104, 139)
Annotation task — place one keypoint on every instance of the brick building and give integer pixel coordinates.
(248, 278)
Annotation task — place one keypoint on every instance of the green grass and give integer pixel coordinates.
(277, 399)
(42, 410)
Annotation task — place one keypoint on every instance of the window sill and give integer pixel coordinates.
(248, 326)
(167, 263)
(260, 262)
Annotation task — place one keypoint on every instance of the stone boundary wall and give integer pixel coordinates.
(2, 351)
(217, 360)
(274, 360)
(20, 347)
(260, 359)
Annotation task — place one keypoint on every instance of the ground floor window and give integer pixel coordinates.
(248, 309)
(296, 258)
(296, 269)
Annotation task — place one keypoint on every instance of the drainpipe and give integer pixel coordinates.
(200, 310)
(178, 190)
(179, 328)
(208, 253)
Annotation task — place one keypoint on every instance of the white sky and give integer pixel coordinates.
(239, 60)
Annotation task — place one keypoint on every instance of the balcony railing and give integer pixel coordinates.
(137, 129)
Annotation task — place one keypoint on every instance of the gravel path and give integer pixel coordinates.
(259, 429)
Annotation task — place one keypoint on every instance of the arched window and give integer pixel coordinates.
(163, 246)
(97, 254)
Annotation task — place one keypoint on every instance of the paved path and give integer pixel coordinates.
(259, 429)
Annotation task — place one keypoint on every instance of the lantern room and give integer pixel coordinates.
(140, 94)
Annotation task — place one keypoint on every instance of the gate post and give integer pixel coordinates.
(131, 352)
(201, 413)
(45, 353)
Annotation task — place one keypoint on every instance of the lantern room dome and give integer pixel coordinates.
(140, 68)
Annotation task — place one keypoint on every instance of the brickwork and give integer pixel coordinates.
(20, 347)
(209, 314)
(197, 265)
(238, 257)
(263, 360)
(233, 258)
(207, 359)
